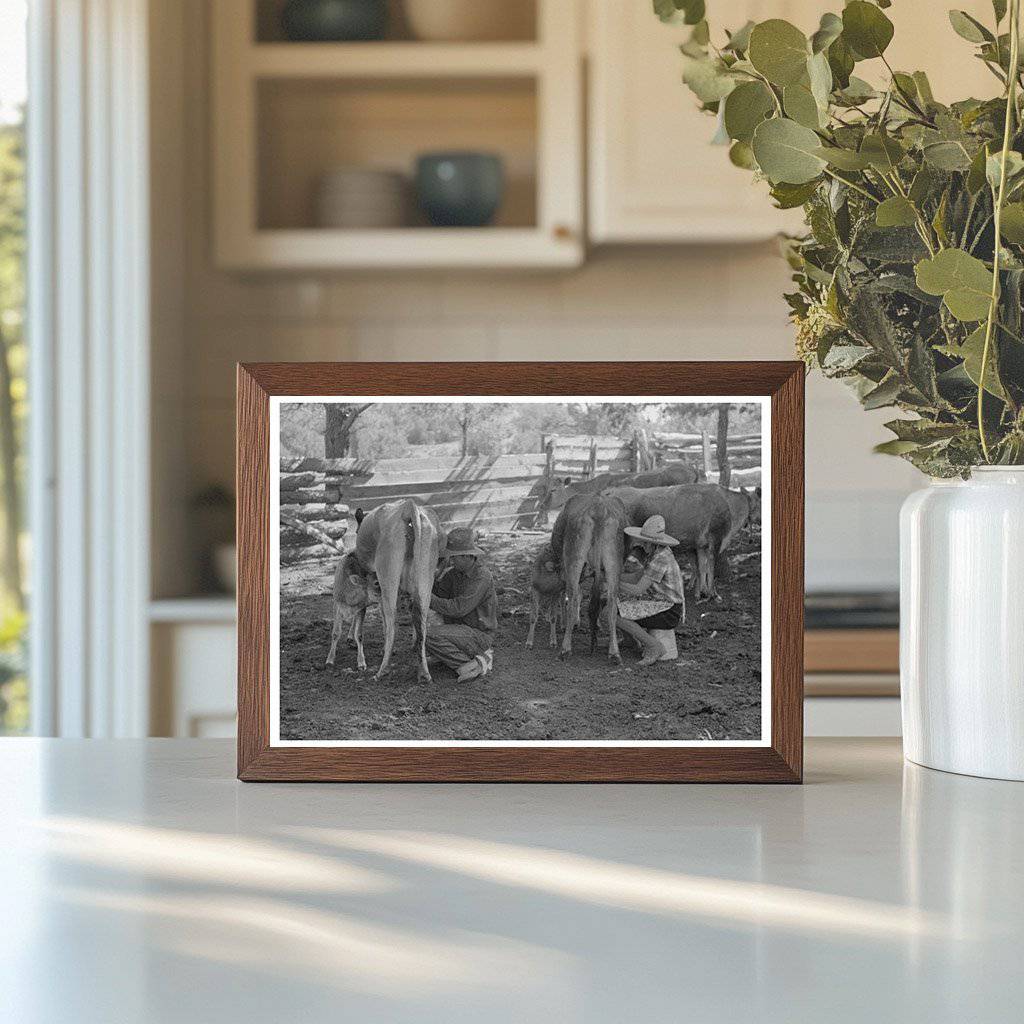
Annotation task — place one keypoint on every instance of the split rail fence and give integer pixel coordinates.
(319, 496)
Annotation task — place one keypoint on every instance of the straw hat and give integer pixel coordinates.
(461, 542)
(652, 531)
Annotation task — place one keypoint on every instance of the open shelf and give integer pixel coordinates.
(520, 23)
(309, 127)
(286, 114)
(393, 60)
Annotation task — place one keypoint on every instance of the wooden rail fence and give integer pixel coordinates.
(319, 496)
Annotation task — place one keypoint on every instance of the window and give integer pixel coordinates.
(14, 692)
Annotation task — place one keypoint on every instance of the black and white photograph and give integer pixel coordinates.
(519, 571)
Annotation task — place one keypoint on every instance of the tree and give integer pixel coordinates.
(464, 417)
(722, 446)
(338, 430)
(12, 304)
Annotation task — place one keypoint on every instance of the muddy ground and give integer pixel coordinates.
(712, 692)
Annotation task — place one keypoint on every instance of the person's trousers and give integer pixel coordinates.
(454, 644)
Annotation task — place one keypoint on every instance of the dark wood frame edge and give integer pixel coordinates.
(780, 762)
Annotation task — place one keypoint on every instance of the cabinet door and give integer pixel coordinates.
(654, 177)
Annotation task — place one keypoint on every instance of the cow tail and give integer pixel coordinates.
(421, 555)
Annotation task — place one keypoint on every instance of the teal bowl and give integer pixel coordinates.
(460, 190)
(334, 21)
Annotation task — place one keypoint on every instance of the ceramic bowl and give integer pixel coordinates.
(359, 197)
(460, 189)
(470, 20)
(332, 21)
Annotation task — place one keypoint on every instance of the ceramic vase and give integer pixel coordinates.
(962, 624)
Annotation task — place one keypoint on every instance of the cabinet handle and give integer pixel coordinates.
(562, 232)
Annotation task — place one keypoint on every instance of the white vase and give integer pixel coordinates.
(962, 624)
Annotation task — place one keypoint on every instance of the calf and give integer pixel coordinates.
(589, 533)
(397, 543)
(665, 476)
(547, 594)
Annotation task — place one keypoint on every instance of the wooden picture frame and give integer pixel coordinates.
(780, 757)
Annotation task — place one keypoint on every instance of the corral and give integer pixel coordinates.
(712, 692)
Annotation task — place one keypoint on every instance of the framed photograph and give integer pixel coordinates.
(520, 571)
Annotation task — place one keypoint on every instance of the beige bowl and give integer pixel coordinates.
(362, 198)
(471, 20)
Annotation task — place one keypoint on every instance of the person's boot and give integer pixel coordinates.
(652, 647)
(667, 639)
(476, 667)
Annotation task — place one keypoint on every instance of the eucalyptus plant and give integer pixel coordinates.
(910, 278)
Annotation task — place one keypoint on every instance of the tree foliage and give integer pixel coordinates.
(902, 290)
(386, 430)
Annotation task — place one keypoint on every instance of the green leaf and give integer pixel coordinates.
(841, 63)
(693, 10)
(1012, 224)
(895, 212)
(707, 78)
(922, 185)
(923, 431)
(844, 159)
(885, 394)
(741, 155)
(739, 41)
(857, 91)
(787, 152)
(866, 29)
(999, 9)
(745, 108)
(882, 151)
(993, 167)
(665, 10)
(905, 84)
(819, 74)
(701, 34)
(969, 28)
(939, 220)
(788, 196)
(690, 12)
(971, 352)
(924, 88)
(963, 281)
(947, 156)
(829, 30)
(801, 106)
(895, 447)
(976, 173)
(779, 51)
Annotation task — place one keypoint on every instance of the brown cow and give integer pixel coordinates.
(664, 476)
(703, 517)
(589, 533)
(397, 543)
(547, 593)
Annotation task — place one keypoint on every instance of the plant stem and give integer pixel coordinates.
(1011, 108)
(853, 185)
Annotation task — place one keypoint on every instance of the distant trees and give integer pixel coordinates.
(389, 430)
(12, 351)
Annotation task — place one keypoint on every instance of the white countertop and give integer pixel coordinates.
(140, 882)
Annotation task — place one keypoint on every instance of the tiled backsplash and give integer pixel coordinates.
(718, 302)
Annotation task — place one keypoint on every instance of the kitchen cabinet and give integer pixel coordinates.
(653, 175)
(287, 114)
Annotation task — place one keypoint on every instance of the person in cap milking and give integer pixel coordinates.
(465, 598)
(651, 603)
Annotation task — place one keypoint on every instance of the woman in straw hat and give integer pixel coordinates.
(466, 600)
(651, 603)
